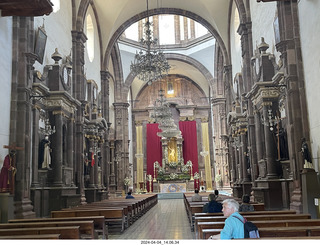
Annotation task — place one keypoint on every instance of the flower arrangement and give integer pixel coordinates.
(161, 171)
(218, 178)
(173, 164)
(126, 181)
(196, 175)
(173, 176)
(185, 169)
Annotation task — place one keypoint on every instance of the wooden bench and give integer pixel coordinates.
(259, 224)
(66, 232)
(296, 231)
(99, 222)
(206, 217)
(86, 228)
(31, 237)
(111, 216)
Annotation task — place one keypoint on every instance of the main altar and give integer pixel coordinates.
(173, 175)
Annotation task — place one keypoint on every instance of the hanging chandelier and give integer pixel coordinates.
(149, 64)
(163, 116)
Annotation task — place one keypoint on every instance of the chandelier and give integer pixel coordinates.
(149, 64)
(163, 116)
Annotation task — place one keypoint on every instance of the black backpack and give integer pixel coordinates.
(250, 229)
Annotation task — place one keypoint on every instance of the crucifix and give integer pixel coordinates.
(12, 170)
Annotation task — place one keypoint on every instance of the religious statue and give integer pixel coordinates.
(306, 154)
(86, 165)
(172, 156)
(7, 173)
(44, 153)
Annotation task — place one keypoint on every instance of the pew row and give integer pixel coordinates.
(66, 232)
(285, 232)
(98, 221)
(260, 224)
(112, 216)
(86, 228)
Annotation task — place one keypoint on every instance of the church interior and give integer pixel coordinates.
(157, 98)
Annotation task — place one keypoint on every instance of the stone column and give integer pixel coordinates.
(57, 151)
(269, 147)
(78, 86)
(259, 141)
(112, 180)
(70, 145)
(121, 136)
(35, 144)
(244, 152)
(20, 111)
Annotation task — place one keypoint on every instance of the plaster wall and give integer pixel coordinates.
(92, 68)
(58, 28)
(262, 17)
(310, 35)
(5, 91)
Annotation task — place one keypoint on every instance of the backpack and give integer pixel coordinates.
(250, 229)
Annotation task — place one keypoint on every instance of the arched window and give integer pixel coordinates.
(90, 36)
(236, 24)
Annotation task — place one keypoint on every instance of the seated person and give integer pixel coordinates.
(196, 197)
(218, 198)
(129, 196)
(245, 206)
(212, 206)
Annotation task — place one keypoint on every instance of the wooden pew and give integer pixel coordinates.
(127, 214)
(206, 217)
(196, 207)
(31, 237)
(99, 222)
(86, 228)
(295, 231)
(260, 224)
(111, 215)
(66, 232)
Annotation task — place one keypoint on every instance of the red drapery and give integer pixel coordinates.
(190, 147)
(154, 148)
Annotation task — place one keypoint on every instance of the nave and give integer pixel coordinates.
(166, 220)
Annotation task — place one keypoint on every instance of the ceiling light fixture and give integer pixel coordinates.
(149, 64)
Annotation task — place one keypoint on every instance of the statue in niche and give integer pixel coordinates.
(283, 153)
(44, 153)
(306, 154)
(172, 154)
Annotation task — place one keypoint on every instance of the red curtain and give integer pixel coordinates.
(154, 148)
(190, 145)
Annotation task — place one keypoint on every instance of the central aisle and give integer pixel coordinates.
(166, 220)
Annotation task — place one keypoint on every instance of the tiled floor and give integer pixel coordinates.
(167, 220)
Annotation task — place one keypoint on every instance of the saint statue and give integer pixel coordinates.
(7, 171)
(44, 153)
(306, 154)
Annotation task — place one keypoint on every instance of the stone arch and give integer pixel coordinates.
(158, 11)
(80, 18)
(179, 57)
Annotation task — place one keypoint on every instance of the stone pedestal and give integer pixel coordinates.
(6, 207)
(269, 192)
(310, 190)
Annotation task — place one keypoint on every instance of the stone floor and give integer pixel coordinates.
(166, 220)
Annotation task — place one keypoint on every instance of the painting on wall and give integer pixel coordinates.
(40, 45)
